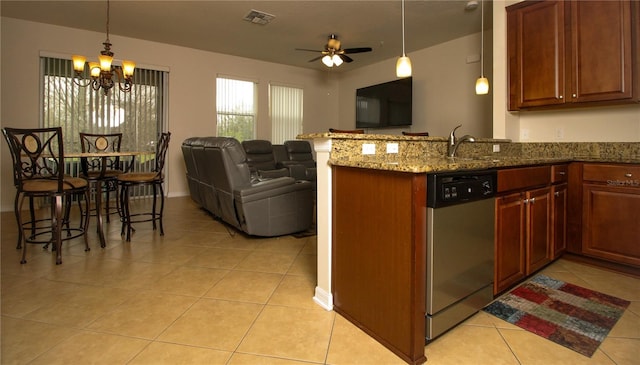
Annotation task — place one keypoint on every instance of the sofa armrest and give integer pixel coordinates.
(269, 188)
(272, 174)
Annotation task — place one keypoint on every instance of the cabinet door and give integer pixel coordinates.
(610, 228)
(538, 229)
(510, 241)
(601, 50)
(536, 54)
(559, 201)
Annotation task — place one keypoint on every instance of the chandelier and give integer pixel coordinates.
(102, 72)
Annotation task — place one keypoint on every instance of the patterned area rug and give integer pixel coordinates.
(567, 314)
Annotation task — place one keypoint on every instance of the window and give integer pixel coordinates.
(236, 108)
(139, 115)
(286, 112)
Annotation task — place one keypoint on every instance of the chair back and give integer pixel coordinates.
(161, 152)
(227, 164)
(259, 154)
(353, 131)
(415, 134)
(300, 151)
(99, 143)
(38, 158)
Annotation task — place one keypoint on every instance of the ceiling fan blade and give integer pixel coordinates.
(315, 59)
(357, 50)
(345, 58)
(308, 50)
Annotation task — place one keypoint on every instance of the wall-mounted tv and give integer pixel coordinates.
(385, 105)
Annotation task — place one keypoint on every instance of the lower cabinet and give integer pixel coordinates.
(523, 224)
(559, 206)
(510, 241)
(611, 223)
(523, 243)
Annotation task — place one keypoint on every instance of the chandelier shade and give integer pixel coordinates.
(103, 73)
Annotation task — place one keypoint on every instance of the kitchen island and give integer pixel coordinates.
(372, 220)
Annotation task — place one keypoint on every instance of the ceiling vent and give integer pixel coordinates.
(259, 17)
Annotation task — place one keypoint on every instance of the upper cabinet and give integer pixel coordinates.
(573, 53)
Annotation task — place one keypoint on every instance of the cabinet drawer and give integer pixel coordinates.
(559, 173)
(522, 178)
(617, 175)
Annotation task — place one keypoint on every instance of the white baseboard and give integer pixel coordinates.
(323, 299)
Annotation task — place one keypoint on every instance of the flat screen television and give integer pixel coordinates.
(385, 105)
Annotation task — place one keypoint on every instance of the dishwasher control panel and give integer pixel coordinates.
(451, 188)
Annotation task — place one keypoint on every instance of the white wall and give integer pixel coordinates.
(443, 89)
(594, 124)
(192, 75)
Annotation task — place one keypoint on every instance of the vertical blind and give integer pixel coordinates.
(286, 112)
(139, 115)
(236, 108)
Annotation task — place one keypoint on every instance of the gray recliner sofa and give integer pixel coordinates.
(271, 207)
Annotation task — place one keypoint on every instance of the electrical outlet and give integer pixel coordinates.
(368, 149)
(496, 148)
(524, 134)
(559, 133)
(392, 148)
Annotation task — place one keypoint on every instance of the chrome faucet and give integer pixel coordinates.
(454, 143)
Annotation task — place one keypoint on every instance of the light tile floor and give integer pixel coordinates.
(199, 295)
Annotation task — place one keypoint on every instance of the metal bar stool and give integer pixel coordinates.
(38, 167)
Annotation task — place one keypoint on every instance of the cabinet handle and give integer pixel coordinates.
(532, 200)
(628, 174)
(560, 96)
(561, 173)
(557, 193)
(526, 201)
(574, 95)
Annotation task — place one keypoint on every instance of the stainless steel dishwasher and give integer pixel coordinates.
(460, 247)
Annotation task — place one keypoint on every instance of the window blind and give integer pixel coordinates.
(286, 108)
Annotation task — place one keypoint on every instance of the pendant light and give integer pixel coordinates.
(403, 66)
(482, 83)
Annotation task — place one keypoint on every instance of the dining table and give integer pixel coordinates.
(103, 163)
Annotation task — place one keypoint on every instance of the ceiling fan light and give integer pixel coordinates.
(337, 61)
(482, 86)
(327, 61)
(403, 67)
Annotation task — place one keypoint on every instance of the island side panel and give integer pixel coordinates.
(378, 255)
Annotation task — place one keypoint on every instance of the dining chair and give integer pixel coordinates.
(155, 179)
(416, 134)
(354, 131)
(38, 168)
(101, 172)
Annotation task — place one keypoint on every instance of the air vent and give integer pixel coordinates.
(259, 17)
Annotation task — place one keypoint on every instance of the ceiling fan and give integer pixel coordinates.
(333, 54)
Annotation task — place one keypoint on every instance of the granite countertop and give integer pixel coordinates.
(416, 154)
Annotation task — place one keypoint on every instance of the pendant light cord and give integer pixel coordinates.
(107, 21)
(403, 53)
(482, 38)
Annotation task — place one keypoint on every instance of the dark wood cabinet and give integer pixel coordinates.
(559, 206)
(572, 53)
(611, 213)
(379, 256)
(559, 209)
(538, 219)
(523, 224)
(510, 241)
